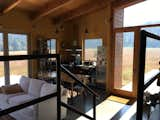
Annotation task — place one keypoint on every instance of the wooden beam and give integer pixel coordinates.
(125, 3)
(11, 6)
(85, 9)
(50, 7)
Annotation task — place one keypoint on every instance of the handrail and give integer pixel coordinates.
(58, 93)
(28, 57)
(151, 35)
(151, 80)
(41, 99)
(75, 110)
(85, 86)
(142, 85)
(77, 80)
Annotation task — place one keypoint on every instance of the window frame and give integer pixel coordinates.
(6, 52)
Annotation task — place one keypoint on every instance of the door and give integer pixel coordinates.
(125, 64)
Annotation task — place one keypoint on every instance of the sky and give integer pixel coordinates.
(142, 13)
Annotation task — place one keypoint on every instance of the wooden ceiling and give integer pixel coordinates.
(64, 9)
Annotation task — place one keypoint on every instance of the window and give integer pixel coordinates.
(51, 46)
(1, 63)
(124, 56)
(152, 50)
(90, 48)
(17, 45)
(142, 13)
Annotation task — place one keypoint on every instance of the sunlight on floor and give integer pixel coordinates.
(106, 110)
(130, 114)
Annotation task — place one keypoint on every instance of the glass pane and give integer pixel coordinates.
(91, 46)
(124, 52)
(152, 55)
(152, 50)
(17, 44)
(1, 63)
(51, 44)
(142, 13)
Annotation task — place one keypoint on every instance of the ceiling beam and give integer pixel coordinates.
(88, 8)
(125, 3)
(50, 8)
(11, 6)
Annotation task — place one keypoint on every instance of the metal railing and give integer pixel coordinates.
(57, 94)
(142, 85)
(86, 87)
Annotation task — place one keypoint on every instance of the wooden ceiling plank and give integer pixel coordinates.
(11, 6)
(88, 8)
(50, 8)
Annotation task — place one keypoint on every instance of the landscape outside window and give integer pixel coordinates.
(152, 50)
(144, 13)
(124, 53)
(17, 44)
(140, 14)
(90, 48)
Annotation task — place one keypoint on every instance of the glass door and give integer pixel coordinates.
(124, 61)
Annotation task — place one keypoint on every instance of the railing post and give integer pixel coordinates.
(94, 107)
(141, 76)
(58, 88)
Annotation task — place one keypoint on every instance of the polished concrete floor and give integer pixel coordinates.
(126, 111)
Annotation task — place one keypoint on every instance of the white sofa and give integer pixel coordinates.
(33, 88)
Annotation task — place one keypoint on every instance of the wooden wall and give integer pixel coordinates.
(98, 24)
(19, 22)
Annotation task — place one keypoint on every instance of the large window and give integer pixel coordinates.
(90, 48)
(142, 13)
(10, 70)
(17, 45)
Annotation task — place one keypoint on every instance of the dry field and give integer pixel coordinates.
(16, 67)
(90, 54)
(152, 62)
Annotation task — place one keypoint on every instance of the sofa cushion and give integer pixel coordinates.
(35, 87)
(24, 83)
(48, 89)
(4, 100)
(11, 89)
(20, 99)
